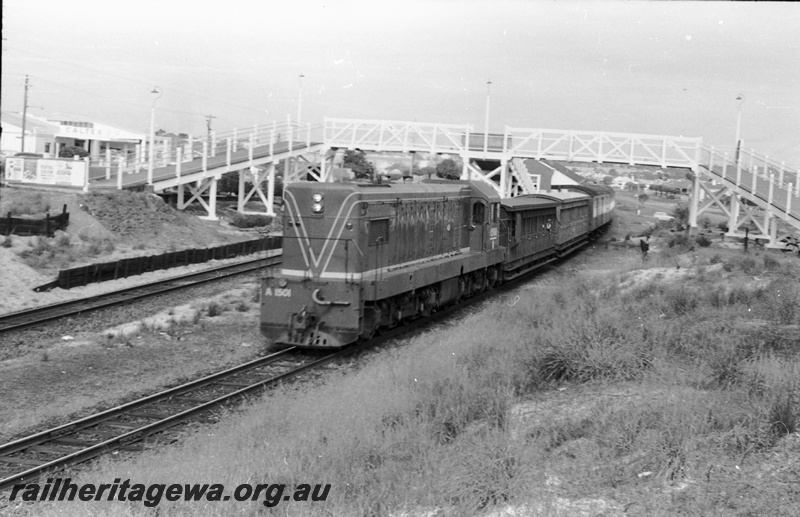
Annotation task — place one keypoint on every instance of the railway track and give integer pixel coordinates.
(121, 427)
(38, 315)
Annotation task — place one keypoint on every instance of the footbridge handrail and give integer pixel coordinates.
(392, 135)
(602, 146)
(170, 151)
(759, 179)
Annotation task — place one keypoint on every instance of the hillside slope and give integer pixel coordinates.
(104, 226)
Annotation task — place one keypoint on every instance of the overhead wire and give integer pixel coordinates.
(137, 81)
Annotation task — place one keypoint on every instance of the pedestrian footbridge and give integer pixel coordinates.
(755, 193)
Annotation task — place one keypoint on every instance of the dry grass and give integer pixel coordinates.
(640, 392)
(60, 251)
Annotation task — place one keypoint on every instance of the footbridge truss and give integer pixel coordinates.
(495, 158)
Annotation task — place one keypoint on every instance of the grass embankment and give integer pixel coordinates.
(660, 389)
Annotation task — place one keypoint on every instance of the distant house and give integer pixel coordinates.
(620, 182)
(549, 175)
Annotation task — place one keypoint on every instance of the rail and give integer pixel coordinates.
(31, 317)
(106, 431)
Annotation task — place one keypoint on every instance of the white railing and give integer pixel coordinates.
(235, 144)
(389, 135)
(757, 176)
(597, 146)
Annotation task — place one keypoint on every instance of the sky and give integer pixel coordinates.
(663, 68)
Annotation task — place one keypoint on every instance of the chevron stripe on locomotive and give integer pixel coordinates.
(358, 257)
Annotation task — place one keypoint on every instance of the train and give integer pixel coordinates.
(362, 257)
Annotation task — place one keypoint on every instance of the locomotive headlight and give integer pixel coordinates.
(317, 207)
(283, 283)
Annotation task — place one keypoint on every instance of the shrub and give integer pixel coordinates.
(771, 262)
(679, 240)
(7, 242)
(250, 220)
(702, 241)
(747, 264)
(62, 239)
(70, 151)
(214, 309)
(783, 302)
(25, 204)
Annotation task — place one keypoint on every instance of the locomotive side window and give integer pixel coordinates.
(378, 232)
(478, 213)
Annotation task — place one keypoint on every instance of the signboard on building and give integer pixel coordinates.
(96, 131)
(46, 172)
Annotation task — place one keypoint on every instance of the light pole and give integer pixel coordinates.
(24, 116)
(156, 90)
(486, 123)
(739, 98)
(300, 99)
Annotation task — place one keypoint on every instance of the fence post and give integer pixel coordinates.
(178, 162)
(86, 176)
(8, 225)
(119, 173)
(47, 225)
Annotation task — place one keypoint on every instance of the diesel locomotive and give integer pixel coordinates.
(358, 257)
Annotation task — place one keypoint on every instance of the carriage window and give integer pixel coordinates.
(478, 214)
(378, 232)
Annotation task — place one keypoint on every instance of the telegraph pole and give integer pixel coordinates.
(24, 115)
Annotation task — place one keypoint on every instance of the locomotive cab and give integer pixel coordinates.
(313, 300)
(484, 218)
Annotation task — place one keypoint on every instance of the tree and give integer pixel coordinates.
(681, 214)
(426, 171)
(448, 170)
(643, 198)
(71, 150)
(608, 180)
(357, 161)
(402, 167)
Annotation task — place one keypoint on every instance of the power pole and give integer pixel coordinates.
(24, 115)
